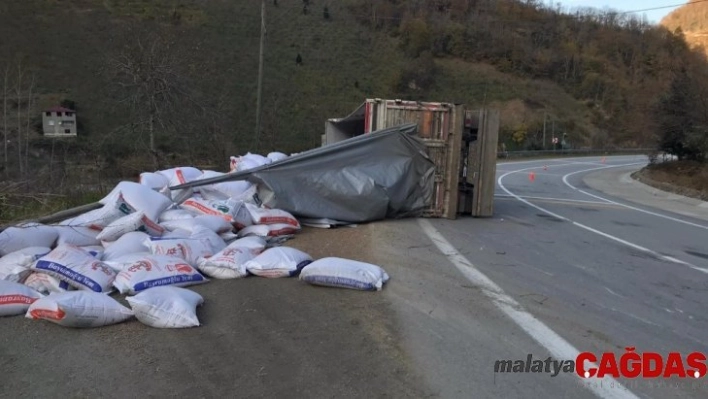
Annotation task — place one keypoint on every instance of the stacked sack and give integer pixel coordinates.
(150, 242)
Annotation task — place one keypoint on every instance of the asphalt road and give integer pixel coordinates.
(600, 272)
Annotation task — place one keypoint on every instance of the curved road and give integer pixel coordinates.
(577, 268)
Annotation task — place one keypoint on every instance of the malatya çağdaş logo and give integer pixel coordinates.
(630, 364)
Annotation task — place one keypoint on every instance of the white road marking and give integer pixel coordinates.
(618, 158)
(565, 181)
(614, 293)
(540, 270)
(553, 199)
(549, 339)
(635, 317)
(588, 228)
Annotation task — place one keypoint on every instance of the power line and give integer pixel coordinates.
(664, 7)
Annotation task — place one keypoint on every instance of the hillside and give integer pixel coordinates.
(187, 72)
(692, 20)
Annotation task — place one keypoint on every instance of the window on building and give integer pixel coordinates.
(50, 123)
(68, 114)
(48, 113)
(67, 131)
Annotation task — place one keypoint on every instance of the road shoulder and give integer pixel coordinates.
(619, 183)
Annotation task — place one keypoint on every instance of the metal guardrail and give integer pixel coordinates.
(573, 152)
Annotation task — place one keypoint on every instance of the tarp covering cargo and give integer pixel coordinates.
(385, 174)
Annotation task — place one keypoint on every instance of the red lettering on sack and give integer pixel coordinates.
(16, 300)
(180, 267)
(47, 314)
(104, 269)
(142, 264)
(278, 220)
(152, 225)
(180, 176)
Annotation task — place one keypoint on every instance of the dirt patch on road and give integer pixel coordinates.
(260, 338)
(685, 178)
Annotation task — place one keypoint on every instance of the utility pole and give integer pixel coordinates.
(260, 75)
(544, 130)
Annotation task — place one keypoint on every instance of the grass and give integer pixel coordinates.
(15, 207)
(688, 178)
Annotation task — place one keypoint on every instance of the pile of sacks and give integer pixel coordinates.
(149, 242)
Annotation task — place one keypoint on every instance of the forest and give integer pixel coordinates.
(174, 82)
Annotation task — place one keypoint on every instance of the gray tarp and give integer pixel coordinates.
(385, 174)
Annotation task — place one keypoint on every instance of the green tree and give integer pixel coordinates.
(675, 120)
(415, 37)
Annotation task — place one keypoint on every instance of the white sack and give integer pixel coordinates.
(248, 196)
(271, 216)
(179, 233)
(137, 221)
(222, 190)
(82, 309)
(121, 262)
(154, 180)
(278, 262)
(99, 218)
(15, 266)
(185, 173)
(175, 214)
(268, 230)
(77, 235)
(16, 298)
(276, 156)
(228, 236)
(176, 196)
(139, 198)
(223, 209)
(129, 243)
(181, 176)
(231, 261)
(94, 250)
(214, 223)
(27, 235)
(155, 271)
(47, 284)
(202, 243)
(248, 161)
(166, 307)
(344, 273)
(77, 267)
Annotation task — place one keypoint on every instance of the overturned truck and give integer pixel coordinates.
(461, 142)
(388, 159)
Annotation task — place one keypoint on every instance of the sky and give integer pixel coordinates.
(653, 16)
